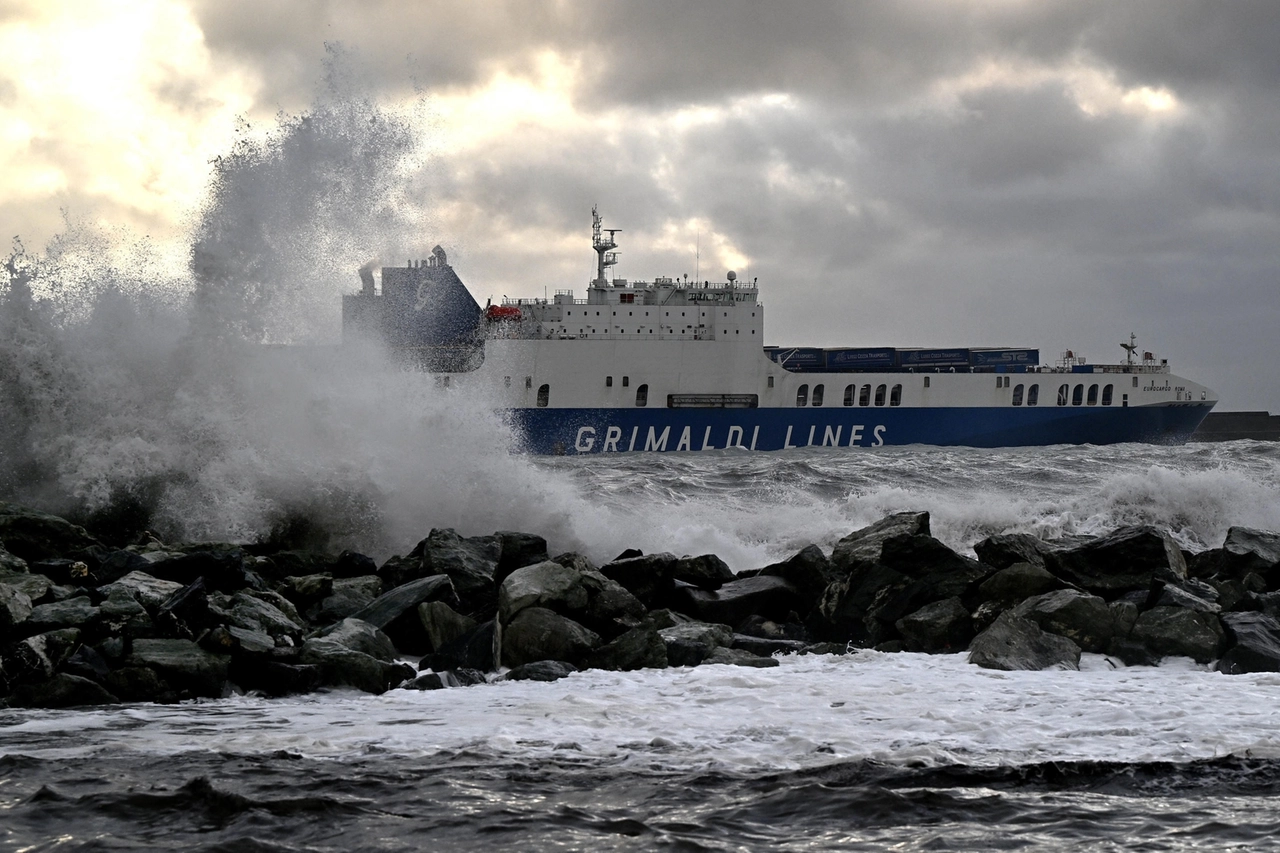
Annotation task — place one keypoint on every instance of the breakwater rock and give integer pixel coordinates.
(85, 624)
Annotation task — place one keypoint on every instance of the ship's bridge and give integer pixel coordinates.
(660, 309)
(620, 309)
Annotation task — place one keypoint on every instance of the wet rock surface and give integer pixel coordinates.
(83, 624)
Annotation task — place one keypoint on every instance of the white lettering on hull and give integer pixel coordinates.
(586, 438)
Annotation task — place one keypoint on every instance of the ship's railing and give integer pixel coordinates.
(1107, 368)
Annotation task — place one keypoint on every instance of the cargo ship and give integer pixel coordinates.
(672, 365)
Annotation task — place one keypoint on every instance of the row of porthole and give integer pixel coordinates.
(1078, 397)
(642, 394)
(864, 395)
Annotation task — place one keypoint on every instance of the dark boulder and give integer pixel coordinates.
(648, 578)
(689, 643)
(1243, 551)
(1008, 549)
(15, 607)
(63, 690)
(33, 535)
(306, 591)
(707, 571)
(149, 591)
(1129, 558)
(183, 665)
(768, 629)
(737, 657)
(350, 564)
(246, 610)
(426, 681)
(639, 648)
(517, 550)
(765, 647)
(224, 569)
(1173, 631)
(733, 603)
(925, 559)
(1082, 618)
(117, 564)
(471, 563)
(356, 654)
(841, 614)
(187, 607)
(139, 684)
(396, 612)
(864, 545)
(87, 662)
(11, 563)
(442, 624)
(809, 572)
(585, 596)
(78, 612)
(1018, 582)
(275, 678)
(541, 670)
(1254, 641)
(943, 626)
(34, 587)
(349, 596)
(536, 633)
(474, 649)
(1191, 594)
(38, 657)
(359, 636)
(1014, 643)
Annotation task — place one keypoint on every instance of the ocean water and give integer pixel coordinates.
(865, 751)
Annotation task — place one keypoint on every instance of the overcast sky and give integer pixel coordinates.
(914, 172)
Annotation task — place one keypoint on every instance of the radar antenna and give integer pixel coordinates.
(1129, 348)
(604, 246)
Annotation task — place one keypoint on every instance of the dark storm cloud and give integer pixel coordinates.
(1052, 173)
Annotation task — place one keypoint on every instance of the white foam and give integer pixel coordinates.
(894, 708)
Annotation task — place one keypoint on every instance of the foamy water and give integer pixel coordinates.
(904, 709)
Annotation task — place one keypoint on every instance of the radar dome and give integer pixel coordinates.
(733, 276)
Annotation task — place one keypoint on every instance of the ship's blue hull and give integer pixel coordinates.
(577, 431)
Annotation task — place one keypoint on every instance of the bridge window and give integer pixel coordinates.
(1135, 382)
(1033, 395)
(608, 382)
(848, 395)
(1063, 390)
(626, 380)
(1077, 395)
(895, 396)
(802, 395)
(926, 382)
(864, 396)
(1093, 395)
(880, 389)
(1107, 391)
(544, 396)
(642, 395)
(819, 391)
(770, 381)
(1017, 395)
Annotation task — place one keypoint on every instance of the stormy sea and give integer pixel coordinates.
(138, 397)
(853, 752)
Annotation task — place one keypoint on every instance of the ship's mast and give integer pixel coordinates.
(604, 246)
(1129, 348)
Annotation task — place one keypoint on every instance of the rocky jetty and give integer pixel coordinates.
(82, 623)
